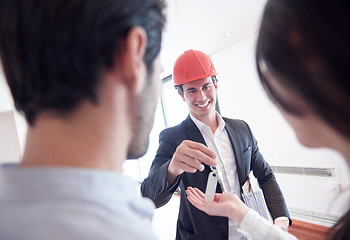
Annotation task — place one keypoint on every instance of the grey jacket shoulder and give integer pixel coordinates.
(236, 122)
(186, 130)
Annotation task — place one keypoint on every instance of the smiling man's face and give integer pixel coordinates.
(200, 96)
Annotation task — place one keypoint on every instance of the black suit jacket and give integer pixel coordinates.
(193, 223)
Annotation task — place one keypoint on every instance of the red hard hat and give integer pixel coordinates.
(192, 65)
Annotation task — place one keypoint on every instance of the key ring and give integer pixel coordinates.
(215, 170)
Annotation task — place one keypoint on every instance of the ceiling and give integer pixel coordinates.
(204, 25)
(207, 25)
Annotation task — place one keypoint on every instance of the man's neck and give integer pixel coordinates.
(209, 120)
(82, 140)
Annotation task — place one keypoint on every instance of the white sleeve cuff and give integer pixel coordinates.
(253, 226)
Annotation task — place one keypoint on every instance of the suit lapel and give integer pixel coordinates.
(193, 132)
(232, 134)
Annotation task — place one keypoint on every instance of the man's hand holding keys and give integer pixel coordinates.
(190, 157)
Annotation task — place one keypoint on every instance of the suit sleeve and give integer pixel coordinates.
(267, 181)
(155, 185)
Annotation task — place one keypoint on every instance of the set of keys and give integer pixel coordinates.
(213, 180)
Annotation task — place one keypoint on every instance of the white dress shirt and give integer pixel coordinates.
(220, 143)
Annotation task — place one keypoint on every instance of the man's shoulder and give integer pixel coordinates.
(177, 128)
(235, 122)
(121, 218)
(238, 127)
(172, 133)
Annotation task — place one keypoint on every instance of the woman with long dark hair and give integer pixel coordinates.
(303, 62)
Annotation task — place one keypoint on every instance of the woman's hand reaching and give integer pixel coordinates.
(224, 204)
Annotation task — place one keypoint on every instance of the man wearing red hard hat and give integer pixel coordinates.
(188, 152)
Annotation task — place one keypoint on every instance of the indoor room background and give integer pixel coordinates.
(315, 182)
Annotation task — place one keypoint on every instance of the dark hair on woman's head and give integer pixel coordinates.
(54, 51)
(305, 45)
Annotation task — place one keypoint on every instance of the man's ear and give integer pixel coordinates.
(182, 96)
(216, 85)
(131, 61)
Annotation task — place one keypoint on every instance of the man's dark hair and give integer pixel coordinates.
(54, 51)
(180, 88)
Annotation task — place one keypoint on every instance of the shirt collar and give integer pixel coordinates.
(85, 182)
(200, 125)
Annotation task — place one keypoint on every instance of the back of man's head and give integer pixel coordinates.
(54, 51)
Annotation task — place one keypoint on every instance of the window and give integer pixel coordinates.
(171, 110)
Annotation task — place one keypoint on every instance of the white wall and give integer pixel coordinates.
(7, 109)
(241, 96)
(9, 144)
